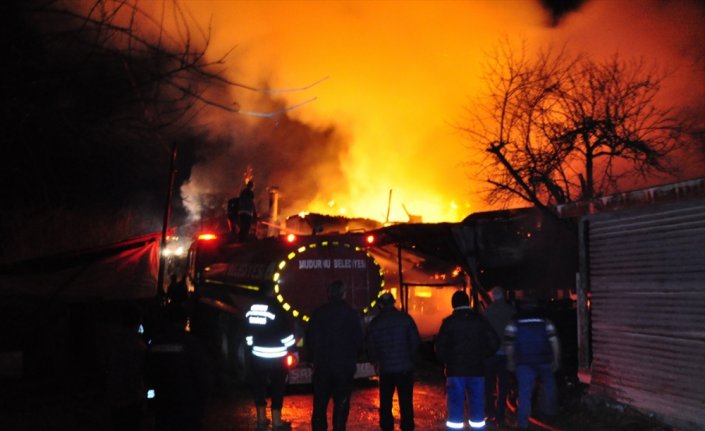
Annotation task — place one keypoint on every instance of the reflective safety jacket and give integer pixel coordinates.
(530, 335)
(268, 332)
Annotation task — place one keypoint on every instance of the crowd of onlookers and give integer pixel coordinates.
(477, 348)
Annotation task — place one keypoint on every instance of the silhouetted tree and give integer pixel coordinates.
(557, 128)
(93, 95)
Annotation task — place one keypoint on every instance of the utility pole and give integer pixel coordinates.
(165, 225)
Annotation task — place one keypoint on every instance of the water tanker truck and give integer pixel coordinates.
(227, 277)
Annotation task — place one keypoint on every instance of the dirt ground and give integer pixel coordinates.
(78, 404)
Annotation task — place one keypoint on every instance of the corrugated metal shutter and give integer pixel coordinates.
(647, 283)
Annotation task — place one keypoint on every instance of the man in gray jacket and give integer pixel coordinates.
(393, 341)
(498, 313)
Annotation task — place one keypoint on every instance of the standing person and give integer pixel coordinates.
(533, 351)
(178, 371)
(334, 340)
(269, 335)
(233, 217)
(393, 341)
(177, 291)
(499, 313)
(464, 341)
(246, 211)
(125, 372)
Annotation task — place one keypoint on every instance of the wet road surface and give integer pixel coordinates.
(235, 412)
(78, 403)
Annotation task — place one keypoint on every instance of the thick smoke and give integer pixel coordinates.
(668, 35)
(383, 120)
(559, 8)
(297, 158)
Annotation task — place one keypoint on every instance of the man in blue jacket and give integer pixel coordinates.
(533, 353)
(466, 339)
(393, 341)
(334, 341)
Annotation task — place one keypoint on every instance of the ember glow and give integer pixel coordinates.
(397, 77)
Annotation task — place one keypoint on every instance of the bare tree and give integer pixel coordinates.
(160, 73)
(556, 128)
(95, 94)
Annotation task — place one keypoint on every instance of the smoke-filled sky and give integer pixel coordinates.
(399, 76)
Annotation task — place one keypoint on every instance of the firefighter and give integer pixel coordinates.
(533, 353)
(270, 337)
(232, 216)
(246, 211)
(466, 339)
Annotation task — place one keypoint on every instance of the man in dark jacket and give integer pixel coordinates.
(533, 352)
(125, 371)
(393, 340)
(179, 372)
(464, 341)
(334, 341)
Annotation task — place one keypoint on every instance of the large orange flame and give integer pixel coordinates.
(400, 75)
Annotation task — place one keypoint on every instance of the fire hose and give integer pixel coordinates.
(533, 421)
(511, 405)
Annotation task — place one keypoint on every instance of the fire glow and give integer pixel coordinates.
(398, 75)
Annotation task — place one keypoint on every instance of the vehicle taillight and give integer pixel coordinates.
(291, 237)
(370, 239)
(291, 360)
(207, 237)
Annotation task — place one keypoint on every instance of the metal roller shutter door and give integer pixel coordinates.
(647, 283)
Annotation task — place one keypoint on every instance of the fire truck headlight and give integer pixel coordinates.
(173, 251)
